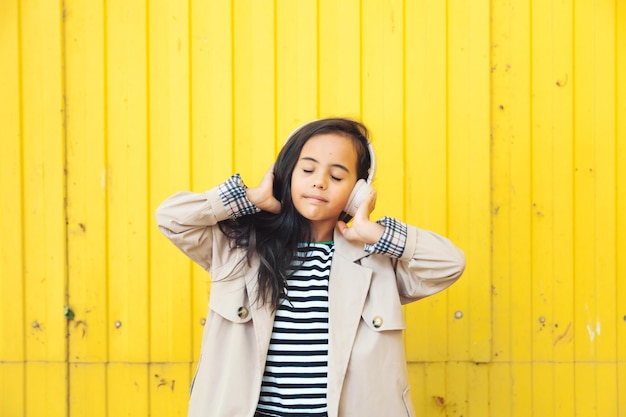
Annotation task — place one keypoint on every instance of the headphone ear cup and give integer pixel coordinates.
(359, 194)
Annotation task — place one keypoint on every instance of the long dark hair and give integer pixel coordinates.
(275, 237)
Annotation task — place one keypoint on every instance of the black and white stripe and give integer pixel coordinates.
(296, 370)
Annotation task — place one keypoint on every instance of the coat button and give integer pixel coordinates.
(242, 312)
(377, 322)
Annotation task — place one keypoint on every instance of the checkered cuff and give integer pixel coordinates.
(233, 195)
(393, 240)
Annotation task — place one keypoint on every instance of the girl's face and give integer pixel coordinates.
(322, 181)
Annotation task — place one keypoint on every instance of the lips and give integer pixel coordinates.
(315, 198)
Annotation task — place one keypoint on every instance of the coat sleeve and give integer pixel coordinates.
(429, 264)
(188, 220)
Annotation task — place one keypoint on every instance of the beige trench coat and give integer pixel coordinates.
(367, 372)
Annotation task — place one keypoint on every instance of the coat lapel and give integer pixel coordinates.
(348, 287)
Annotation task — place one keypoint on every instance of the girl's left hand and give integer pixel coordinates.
(363, 229)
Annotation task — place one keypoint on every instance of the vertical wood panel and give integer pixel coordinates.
(254, 83)
(86, 207)
(382, 87)
(88, 394)
(339, 58)
(12, 388)
(296, 65)
(169, 389)
(46, 389)
(620, 290)
(169, 167)
(426, 165)
(468, 218)
(211, 126)
(43, 188)
(510, 159)
(44, 238)
(128, 389)
(560, 324)
(127, 220)
(12, 286)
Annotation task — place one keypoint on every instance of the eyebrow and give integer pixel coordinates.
(308, 158)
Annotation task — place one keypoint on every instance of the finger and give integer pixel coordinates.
(371, 199)
(343, 228)
(366, 208)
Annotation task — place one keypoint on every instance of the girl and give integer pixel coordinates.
(305, 312)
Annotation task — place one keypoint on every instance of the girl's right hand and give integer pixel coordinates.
(262, 196)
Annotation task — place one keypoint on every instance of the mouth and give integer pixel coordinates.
(315, 199)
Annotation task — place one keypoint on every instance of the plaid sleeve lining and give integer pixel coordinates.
(393, 240)
(233, 195)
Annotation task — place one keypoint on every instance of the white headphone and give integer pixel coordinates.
(363, 188)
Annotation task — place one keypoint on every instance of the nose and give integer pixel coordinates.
(319, 182)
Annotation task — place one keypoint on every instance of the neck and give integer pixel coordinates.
(322, 233)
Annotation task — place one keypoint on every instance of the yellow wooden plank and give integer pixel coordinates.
(564, 390)
(468, 219)
(169, 389)
(211, 126)
(86, 194)
(126, 181)
(436, 395)
(12, 322)
(620, 265)
(382, 92)
(297, 64)
(12, 384)
(501, 179)
(339, 58)
(521, 390)
(128, 390)
(44, 240)
(558, 118)
(426, 167)
(46, 389)
(607, 388)
(254, 84)
(542, 391)
(586, 389)
(478, 394)
(543, 186)
(586, 320)
(88, 390)
(510, 182)
(553, 188)
(500, 386)
(621, 387)
(456, 399)
(170, 160)
(604, 120)
(211, 93)
(518, 66)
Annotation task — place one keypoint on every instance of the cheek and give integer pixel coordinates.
(345, 192)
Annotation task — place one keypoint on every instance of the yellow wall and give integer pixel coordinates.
(500, 123)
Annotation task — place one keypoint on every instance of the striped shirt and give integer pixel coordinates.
(295, 378)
